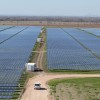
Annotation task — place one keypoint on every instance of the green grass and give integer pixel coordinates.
(44, 63)
(89, 88)
(73, 72)
(95, 82)
(45, 39)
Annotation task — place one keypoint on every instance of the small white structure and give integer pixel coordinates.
(39, 39)
(30, 66)
(41, 31)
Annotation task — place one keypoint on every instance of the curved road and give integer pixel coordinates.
(31, 94)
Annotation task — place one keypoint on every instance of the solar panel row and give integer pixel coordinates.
(90, 41)
(95, 31)
(3, 28)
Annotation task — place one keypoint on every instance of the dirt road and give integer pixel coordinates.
(41, 52)
(31, 94)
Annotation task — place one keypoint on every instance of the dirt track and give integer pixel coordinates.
(31, 94)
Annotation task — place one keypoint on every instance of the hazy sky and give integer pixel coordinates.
(50, 7)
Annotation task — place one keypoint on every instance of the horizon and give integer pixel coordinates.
(49, 16)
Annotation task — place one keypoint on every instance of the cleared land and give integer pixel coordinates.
(51, 23)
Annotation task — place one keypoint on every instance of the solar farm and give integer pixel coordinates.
(66, 49)
(72, 49)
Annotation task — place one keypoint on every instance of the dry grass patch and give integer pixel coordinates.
(75, 89)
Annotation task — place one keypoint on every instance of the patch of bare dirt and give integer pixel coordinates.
(51, 24)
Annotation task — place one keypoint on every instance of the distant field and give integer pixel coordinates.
(51, 23)
(75, 89)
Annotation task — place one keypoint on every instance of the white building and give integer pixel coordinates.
(39, 39)
(30, 66)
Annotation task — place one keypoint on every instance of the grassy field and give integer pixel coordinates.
(74, 71)
(75, 89)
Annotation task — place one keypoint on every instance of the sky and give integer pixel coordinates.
(50, 7)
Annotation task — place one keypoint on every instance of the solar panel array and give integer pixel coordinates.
(90, 41)
(63, 52)
(6, 34)
(95, 31)
(14, 53)
(5, 27)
